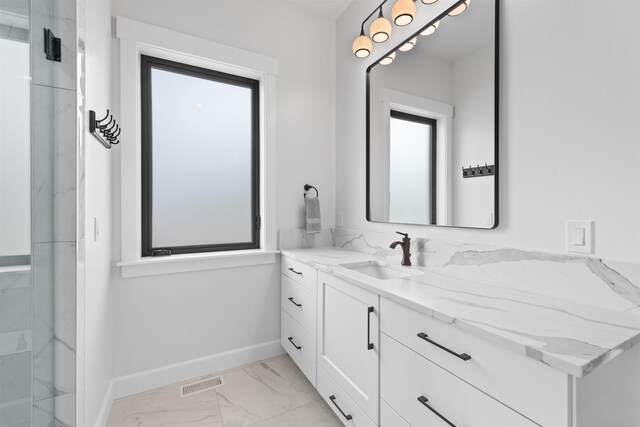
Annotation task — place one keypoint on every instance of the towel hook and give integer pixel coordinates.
(105, 117)
(308, 187)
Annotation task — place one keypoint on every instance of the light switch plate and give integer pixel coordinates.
(579, 235)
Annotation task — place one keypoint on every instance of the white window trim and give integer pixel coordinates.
(138, 38)
(443, 115)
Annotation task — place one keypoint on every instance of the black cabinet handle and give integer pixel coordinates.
(294, 344)
(294, 303)
(463, 356)
(299, 273)
(369, 343)
(425, 402)
(332, 398)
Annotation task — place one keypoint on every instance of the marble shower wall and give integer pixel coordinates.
(592, 281)
(15, 346)
(55, 204)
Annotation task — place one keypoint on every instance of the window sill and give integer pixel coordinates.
(195, 262)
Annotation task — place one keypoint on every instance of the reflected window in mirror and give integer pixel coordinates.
(412, 153)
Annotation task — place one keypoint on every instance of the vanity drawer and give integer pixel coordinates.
(406, 377)
(300, 272)
(528, 386)
(300, 303)
(389, 417)
(300, 345)
(340, 403)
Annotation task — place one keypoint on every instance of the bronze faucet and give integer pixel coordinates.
(406, 247)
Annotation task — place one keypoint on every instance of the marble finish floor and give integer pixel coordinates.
(271, 393)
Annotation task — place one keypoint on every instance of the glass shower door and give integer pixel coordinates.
(27, 364)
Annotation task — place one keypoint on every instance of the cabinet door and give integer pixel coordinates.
(348, 337)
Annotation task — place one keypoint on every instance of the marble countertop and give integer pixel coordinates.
(571, 337)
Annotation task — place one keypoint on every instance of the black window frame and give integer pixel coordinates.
(394, 114)
(147, 63)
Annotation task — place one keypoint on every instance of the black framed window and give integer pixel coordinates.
(412, 160)
(200, 159)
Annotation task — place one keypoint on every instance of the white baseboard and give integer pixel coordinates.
(105, 408)
(159, 377)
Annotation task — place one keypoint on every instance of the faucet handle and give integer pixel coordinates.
(402, 234)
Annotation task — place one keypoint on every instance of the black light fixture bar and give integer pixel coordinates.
(379, 7)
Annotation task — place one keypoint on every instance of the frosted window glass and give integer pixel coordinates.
(409, 172)
(201, 161)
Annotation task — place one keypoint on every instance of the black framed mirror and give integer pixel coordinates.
(432, 123)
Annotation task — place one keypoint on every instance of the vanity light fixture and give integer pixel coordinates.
(430, 29)
(388, 59)
(380, 29)
(403, 12)
(461, 8)
(408, 45)
(362, 45)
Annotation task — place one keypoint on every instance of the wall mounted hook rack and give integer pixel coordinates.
(477, 171)
(105, 130)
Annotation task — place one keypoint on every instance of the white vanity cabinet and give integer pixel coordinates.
(348, 346)
(298, 315)
(528, 386)
(378, 362)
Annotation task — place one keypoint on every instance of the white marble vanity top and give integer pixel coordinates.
(572, 337)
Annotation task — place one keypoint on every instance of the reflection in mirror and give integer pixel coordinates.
(15, 177)
(431, 113)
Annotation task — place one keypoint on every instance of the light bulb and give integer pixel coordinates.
(403, 12)
(380, 29)
(408, 45)
(388, 59)
(461, 8)
(430, 29)
(362, 45)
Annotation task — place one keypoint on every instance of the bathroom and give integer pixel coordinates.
(522, 299)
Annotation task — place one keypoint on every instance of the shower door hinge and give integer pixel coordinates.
(52, 46)
(258, 222)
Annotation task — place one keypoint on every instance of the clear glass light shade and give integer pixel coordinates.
(431, 29)
(461, 8)
(362, 46)
(429, 1)
(408, 45)
(380, 30)
(388, 59)
(403, 12)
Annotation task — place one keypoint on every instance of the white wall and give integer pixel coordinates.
(163, 320)
(99, 292)
(15, 149)
(570, 102)
(473, 136)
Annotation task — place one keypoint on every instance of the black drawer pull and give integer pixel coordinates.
(425, 402)
(332, 398)
(369, 343)
(294, 303)
(463, 356)
(299, 273)
(294, 344)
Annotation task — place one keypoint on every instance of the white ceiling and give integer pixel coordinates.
(331, 9)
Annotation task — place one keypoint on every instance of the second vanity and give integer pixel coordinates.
(405, 346)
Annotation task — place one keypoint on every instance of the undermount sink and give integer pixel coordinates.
(378, 270)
